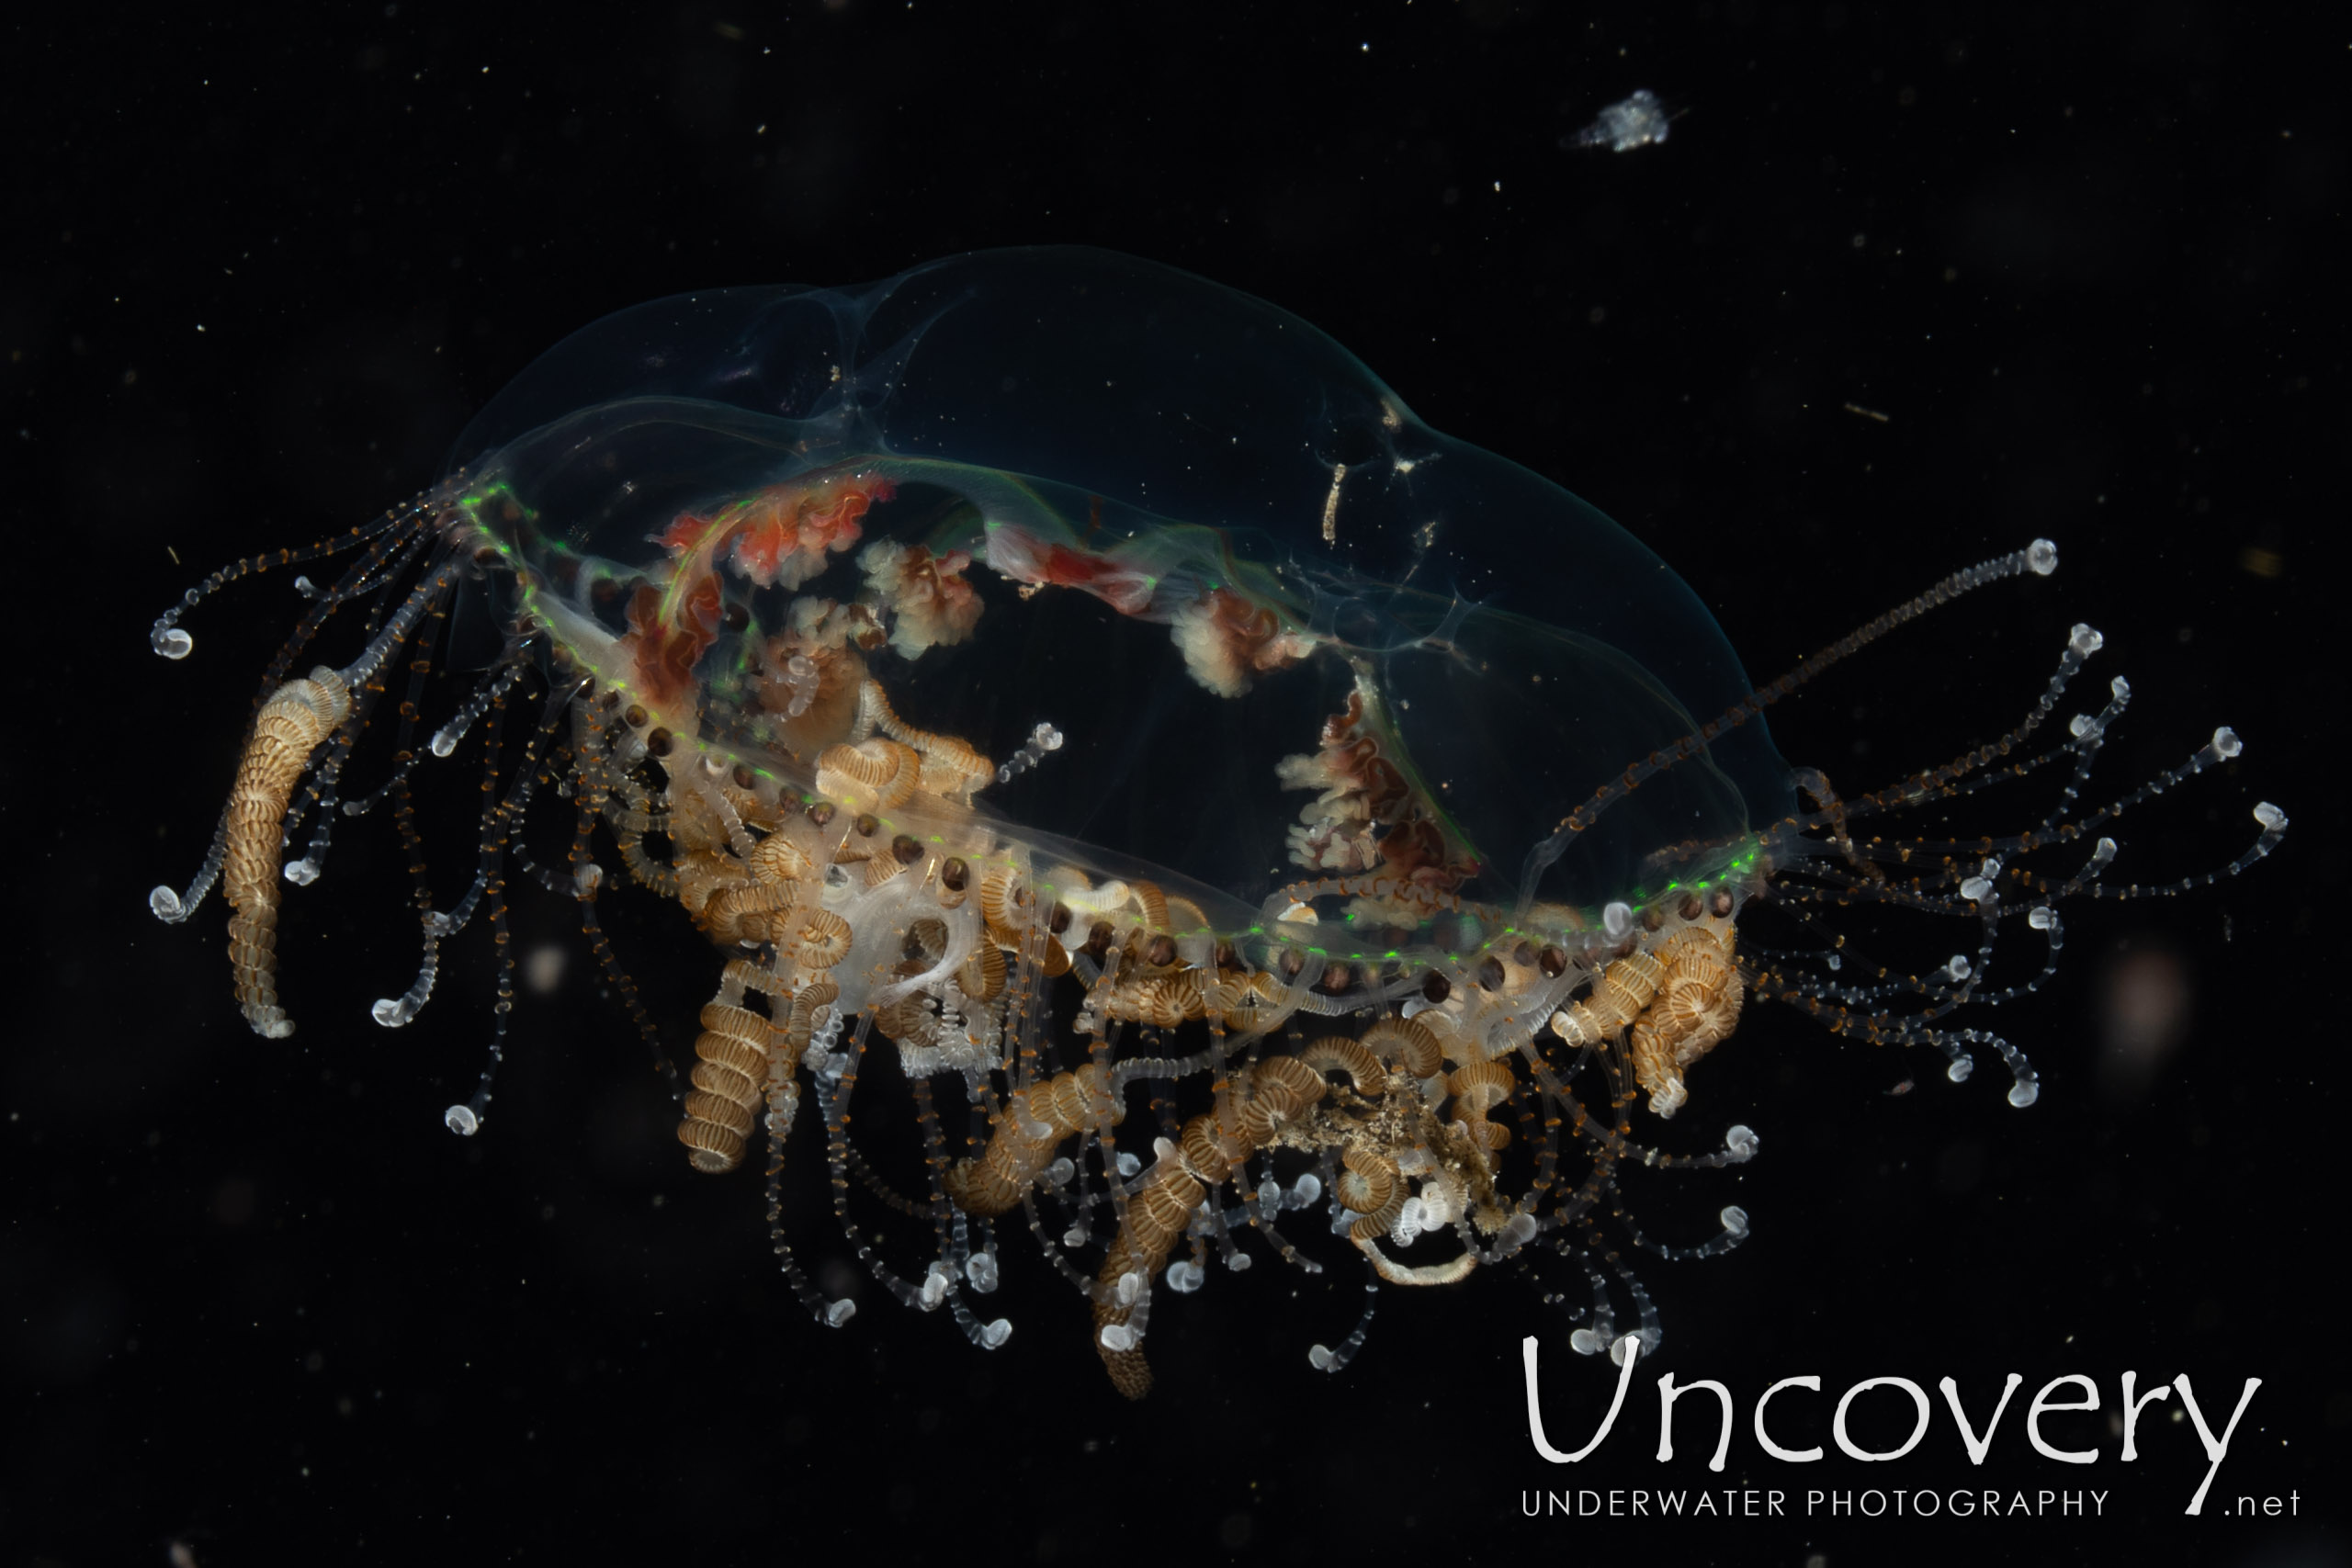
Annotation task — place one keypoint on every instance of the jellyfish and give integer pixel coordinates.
(1639, 120)
(1085, 701)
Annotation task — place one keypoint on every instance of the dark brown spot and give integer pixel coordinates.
(1653, 918)
(1159, 951)
(1719, 903)
(820, 812)
(744, 777)
(1337, 980)
(637, 718)
(1293, 962)
(736, 616)
(1435, 989)
(906, 850)
(954, 875)
(1523, 955)
(1098, 940)
(610, 700)
(866, 825)
(1690, 907)
(486, 556)
(1553, 962)
(659, 741)
(1057, 921)
(1225, 957)
(1491, 973)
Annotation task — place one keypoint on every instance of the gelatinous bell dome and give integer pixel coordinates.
(1282, 627)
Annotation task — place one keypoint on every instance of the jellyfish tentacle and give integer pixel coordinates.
(295, 721)
(2040, 558)
(739, 1051)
